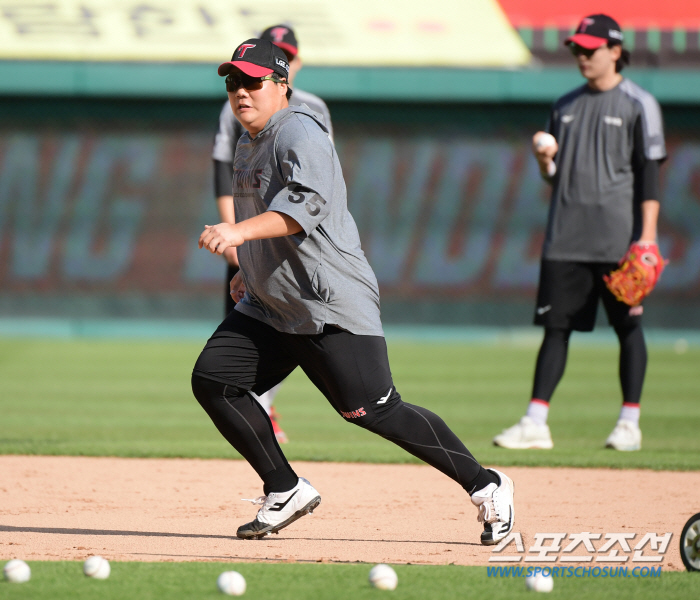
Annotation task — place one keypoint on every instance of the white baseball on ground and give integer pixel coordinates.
(231, 583)
(539, 583)
(544, 140)
(97, 567)
(17, 571)
(383, 577)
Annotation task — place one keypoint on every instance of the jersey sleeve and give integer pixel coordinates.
(653, 141)
(327, 119)
(223, 178)
(224, 151)
(305, 157)
(646, 170)
(552, 120)
(552, 128)
(227, 135)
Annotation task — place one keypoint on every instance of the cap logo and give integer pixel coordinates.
(614, 33)
(278, 33)
(282, 64)
(243, 49)
(584, 24)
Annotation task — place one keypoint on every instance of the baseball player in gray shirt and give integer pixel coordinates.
(225, 142)
(601, 154)
(308, 298)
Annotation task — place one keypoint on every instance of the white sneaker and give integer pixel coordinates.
(627, 437)
(280, 509)
(525, 434)
(496, 510)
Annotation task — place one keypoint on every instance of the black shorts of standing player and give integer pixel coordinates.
(568, 296)
(352, 371)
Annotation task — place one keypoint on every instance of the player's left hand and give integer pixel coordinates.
(216, 238)
(237, 287)
(640, 269)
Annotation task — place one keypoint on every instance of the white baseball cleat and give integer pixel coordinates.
(627, 437)
(280, 509)
(524, 435)
(496, 510)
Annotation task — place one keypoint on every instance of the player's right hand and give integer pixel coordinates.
(545, 148)
(216, 238)
(237, 287)
(544, 151)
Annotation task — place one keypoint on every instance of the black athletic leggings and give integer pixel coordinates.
(551, 362)
(246, 426)
(246, 356)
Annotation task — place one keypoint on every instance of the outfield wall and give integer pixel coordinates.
(101, 203)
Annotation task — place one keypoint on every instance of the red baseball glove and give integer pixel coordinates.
(639, 271)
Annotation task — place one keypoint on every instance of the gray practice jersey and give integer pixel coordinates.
(592, 212)
(299, 283)
(230, 129)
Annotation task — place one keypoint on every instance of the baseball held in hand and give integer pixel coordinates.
(383, 577)
(231, 583)
(544, 140)
(539, 583)
(97, 567)
(17, 571)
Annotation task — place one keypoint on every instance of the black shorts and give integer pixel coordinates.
(351, 371)
(568, 295)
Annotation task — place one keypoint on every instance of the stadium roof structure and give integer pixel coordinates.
(443, 33)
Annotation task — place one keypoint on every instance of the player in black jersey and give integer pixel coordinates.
(603, 165)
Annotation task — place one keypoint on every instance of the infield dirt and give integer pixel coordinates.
(67, 508)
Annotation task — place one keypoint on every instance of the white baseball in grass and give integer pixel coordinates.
(17, 571)
(231, 583)
(97, 567)
(383, 577)
(544, 140)
(539, 583)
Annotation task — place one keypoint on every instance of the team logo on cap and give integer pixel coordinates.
(278, 33)
(584, 25)
(243, 49)
(282, 64)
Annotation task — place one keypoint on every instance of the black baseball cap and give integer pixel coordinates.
(594, 31)
(282, 37)
(257, 58)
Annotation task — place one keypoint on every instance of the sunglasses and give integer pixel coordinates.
(235, 81)
(577, 50)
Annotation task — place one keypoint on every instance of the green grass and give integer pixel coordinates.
(133, 398)
(174, 581)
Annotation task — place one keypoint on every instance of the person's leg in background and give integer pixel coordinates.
(567, 299)
(627, 321)
(549, 369)
(532, 430)
(266, 399)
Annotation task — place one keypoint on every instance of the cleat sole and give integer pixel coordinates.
(260, 534)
